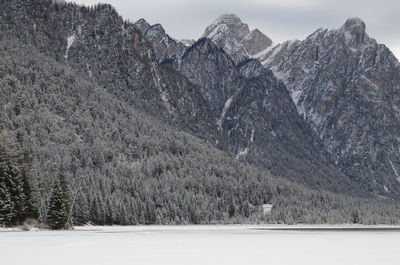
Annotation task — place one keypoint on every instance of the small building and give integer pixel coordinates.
(267, 208)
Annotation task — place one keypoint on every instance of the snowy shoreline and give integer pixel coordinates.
(268, 227)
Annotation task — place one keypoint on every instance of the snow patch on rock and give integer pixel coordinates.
(242, 153)
(224, 110)
(70, 41)
(395, 171)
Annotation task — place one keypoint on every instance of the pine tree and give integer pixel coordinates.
(15, 181)
(16, 189)
(7, 210)
(59, 203)
(29, 181)
(57, 213)
(66, 194)
(81, 209)
(11, 194)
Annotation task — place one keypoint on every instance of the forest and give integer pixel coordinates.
(59, 129)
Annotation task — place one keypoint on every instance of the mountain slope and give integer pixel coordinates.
(347, 87)
(256, 118)
(187, 87)
(138, 170)
(97, 42)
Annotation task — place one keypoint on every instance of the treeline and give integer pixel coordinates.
(18, 197)
(136, 169)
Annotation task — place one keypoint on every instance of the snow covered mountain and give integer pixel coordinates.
(230, 33)
(346, 87)
(253, 112)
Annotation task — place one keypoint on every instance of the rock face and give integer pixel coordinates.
(235, 37)
(255, 116)
(274, 56)
(346, 86)
(163, 45)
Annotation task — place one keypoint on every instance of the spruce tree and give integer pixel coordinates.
(57, 213)
(17, 200)
(66, 193)
(59, 203)
(29, 181)
(11, 194)
(7, 210)
(16, 189)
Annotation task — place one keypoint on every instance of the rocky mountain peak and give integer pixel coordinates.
(354, 25)
(354, 31)
(227, 25)
(230, 33)
(155, 30)
(142, 25)
(203, 46)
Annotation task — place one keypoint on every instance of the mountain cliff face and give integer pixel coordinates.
(165, 47)
(255, 116)
(346, 88)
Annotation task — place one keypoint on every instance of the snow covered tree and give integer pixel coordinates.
(15, 185)
(57, 213)
(7, 210)
(17, 199)
(11, 194)
(59, 203)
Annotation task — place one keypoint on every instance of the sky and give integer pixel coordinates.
(279, 19)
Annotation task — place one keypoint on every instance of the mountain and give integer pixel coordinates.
(235, 37)
(253, 113)
(137, 169)
(346, 86)
(97, 42)
(144, 67)
(346, 89)
(239, 108)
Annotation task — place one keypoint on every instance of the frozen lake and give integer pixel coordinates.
(202, 245)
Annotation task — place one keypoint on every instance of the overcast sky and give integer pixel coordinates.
(279, 19)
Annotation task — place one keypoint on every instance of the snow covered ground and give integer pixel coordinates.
(204, 245)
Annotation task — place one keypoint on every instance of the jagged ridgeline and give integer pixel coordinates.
(86, 92)
(242, 110)
(346, 88)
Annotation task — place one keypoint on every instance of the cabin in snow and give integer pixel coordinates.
(267, 208)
